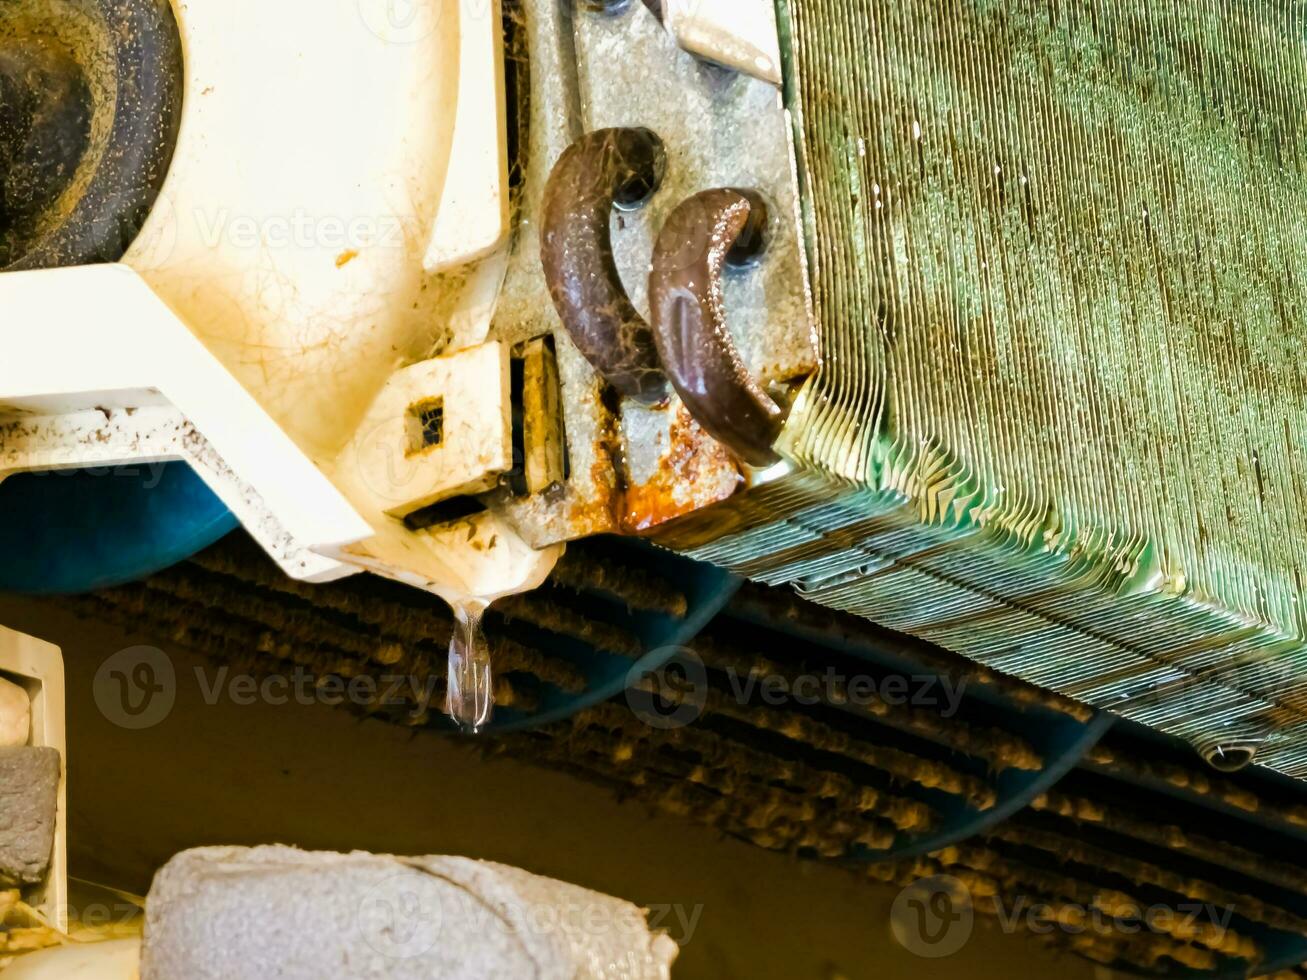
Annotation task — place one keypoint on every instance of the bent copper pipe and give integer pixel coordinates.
(702, 236)
(607, 168)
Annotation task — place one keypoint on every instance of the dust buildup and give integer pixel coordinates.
(833, 781)
(1058, 264)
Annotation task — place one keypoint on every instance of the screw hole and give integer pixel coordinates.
(751, 245)
(648, 168)
(1230, 757)
(425, 425)
(610, 8)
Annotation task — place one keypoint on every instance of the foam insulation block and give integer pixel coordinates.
(15, 715)
(29, 800)
(247, 914)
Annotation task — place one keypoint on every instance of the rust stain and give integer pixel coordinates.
(346, 257)
(597, 510)
(696, 472)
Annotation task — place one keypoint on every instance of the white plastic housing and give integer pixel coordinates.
(334, 213)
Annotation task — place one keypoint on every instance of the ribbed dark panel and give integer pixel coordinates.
(1059, 260)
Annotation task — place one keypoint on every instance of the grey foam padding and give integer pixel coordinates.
(29, 801)
(250, 914)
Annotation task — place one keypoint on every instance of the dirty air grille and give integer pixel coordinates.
(894, 788)
(1059, 258)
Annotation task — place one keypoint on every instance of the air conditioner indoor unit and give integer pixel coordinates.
(982, 321)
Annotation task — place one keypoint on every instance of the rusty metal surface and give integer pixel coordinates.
(721, 129)
(696, 249)
(633, 467)
(541, 43)
(598, 172)
(678, 468)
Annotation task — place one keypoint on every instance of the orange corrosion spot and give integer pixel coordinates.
(695, 472)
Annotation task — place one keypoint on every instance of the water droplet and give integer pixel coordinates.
(471, 698)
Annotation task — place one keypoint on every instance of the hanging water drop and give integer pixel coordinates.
(471, 698)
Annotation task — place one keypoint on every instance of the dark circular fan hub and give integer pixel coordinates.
(90, 102)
